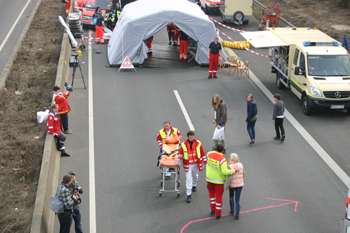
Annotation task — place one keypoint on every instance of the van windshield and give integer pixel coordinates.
(328, 65)
(94, 3)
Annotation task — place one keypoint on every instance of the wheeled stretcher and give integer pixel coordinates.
(168, 165)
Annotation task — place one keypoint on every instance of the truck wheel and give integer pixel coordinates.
(238, 16)
(306, 107)
(279, 84)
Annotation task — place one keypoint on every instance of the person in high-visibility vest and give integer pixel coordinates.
(183, 45)
(216, 172)
(68, 3)
(109, 17)
(61, 100)
(167, 130)
(117, 12)
(193, 156)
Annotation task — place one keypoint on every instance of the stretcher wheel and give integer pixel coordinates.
(178, 195)
(160, 194)
(178, 183)
(161, 183)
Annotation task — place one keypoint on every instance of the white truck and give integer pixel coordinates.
(236, 11)
(312, 64)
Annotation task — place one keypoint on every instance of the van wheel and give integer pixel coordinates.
(279, 84)
(306, 107)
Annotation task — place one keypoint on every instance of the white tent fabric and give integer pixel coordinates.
(141, 19)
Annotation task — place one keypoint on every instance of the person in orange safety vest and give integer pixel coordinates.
(61, 100)
(193, 157)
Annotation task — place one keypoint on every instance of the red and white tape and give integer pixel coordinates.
(259, 54)
(234, 29)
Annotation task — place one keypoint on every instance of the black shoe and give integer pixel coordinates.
(237, 217)
(169, 43)
(209, 77)
(218, 217)
(189, 199)
(215, 76)
(212, 212)
(232, 212)
(65, 154)
(283, 137)
(252, 141)
(277, 138)
(194, 189)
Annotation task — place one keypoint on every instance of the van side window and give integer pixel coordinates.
(302, 62)
(296, 55)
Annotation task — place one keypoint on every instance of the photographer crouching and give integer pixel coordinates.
(75, 189)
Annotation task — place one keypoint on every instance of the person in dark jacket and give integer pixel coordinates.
(278, 116)
(220, 115)
(252, 116)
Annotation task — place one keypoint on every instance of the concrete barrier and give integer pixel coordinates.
(43, 216)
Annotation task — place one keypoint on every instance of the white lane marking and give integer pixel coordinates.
(13, 26)
(182, 106)
(92, 200)
(308, 138)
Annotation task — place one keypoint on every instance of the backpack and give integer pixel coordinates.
(63, 1)
(56, 205)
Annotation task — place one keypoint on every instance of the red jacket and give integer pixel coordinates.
(170, 28)
(160, 140)
(192, 155)
(61, 100)
(54, 124)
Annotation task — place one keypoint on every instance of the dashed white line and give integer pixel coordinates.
(182, 106)
(92, 192)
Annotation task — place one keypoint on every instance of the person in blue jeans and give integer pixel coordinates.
(74, 187)
(235, 184)
(252, 116)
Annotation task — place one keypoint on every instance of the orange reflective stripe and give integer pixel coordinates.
(348, 200)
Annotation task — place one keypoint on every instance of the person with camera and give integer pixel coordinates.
(54, 127)
(74, 188)
(61, 100)
(63, 195)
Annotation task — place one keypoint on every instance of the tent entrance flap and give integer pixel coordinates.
(140, 20)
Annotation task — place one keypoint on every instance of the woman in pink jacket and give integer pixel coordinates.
(235, 184)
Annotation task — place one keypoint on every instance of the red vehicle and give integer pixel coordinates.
(88, 10)
(271, 13)
(78, 4)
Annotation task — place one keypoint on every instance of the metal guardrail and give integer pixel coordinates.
(282, 19)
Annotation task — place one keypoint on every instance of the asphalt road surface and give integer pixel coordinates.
(288, 187)
(9, 12)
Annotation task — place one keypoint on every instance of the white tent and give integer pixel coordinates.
(141, 19)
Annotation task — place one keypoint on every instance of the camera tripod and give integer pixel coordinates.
(74, 69)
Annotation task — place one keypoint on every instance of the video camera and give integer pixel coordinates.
(76, 191)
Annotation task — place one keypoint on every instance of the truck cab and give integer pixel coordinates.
(320, 75)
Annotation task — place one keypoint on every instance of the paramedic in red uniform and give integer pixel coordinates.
(67, 6)
(214, 54)
(183, 45)
(54, 127)
(193, 156)
(100, 26)
(61, 100)
(170, 131)
(171, 33)
(149, 45)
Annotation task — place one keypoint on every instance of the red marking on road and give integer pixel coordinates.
(287, 202)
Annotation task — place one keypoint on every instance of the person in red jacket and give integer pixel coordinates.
(61, 100)
(68, 4)
(54, 127)
(193, 156)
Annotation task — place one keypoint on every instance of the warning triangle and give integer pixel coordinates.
(127, 64)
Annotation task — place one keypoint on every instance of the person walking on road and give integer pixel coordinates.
(220, 116)
(193, 156)
(61, 100)
(235, 184)
(162, 133)
(214, 54)
(277, 117)
(171, 33)
(100, 26)
(216, 172)
(54, 128)
(183, 45)
(109, 17)
(68, 200)
(74, 187)
(252, 116)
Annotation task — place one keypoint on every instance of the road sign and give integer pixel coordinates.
(127, 64)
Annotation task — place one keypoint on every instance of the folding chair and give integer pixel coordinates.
(229, 61)
(243, 68)
(235, 65)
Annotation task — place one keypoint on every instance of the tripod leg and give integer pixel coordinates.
(82, 76)
(73, 75)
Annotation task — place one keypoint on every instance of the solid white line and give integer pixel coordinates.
(92, 193)
(13, 26)
(182, 106)
(308, 138)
